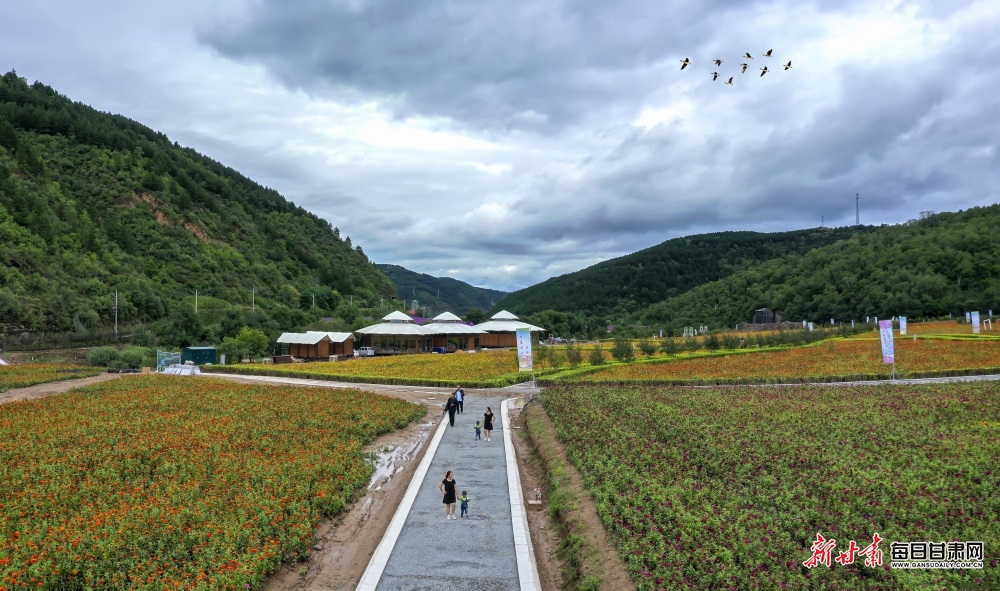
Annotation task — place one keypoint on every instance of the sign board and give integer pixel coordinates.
(902, 325)
(975, 322)
(524, 361)
(165, 358)
(804, 323)
(810, 327)
(888, 350)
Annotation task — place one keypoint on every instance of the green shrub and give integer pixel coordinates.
(133, 357)
(670, 346)
(597, 355)
(623, 350)
(648, 347)
(103, 356)
(712, 343)
(573, 355)
(730, 341)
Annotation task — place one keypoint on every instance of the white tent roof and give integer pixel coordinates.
(335, 337)
(397, 316)
(450, 328)
(506, 326)
(447, 317)
(301, 338)
(503, 315)
(394, 329)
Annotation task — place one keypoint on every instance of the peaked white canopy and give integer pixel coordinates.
(503, 315)
(451, 327)
(397, 316)
(335, 337)
(395, 324)
(504, 321)
(446, 317)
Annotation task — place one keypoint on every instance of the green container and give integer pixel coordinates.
(199, 355)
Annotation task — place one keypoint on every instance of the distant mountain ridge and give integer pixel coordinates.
(631, 283)
(948, 263)
(439, 294)
(93, 203)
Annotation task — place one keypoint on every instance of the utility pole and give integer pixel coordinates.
(116, 314)
(857, 210)
(196, 301)
(253, 299)
(314, 299)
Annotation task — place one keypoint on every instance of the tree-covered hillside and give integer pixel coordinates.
(947, 263)
(91, 203)
(633, 282)
(440, 294)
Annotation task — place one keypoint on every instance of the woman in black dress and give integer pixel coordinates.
(488, 424)
(447, 488)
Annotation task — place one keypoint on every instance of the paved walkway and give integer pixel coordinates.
(479, 552)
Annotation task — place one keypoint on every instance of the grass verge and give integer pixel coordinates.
(590, 561)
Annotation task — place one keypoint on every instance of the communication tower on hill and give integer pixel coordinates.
(857, 210)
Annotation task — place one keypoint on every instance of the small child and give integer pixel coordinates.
(464, 499)
(479, 429)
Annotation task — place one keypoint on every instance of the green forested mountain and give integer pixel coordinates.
(91, 203)
(947, 263)
(440, 294)
(633, 282)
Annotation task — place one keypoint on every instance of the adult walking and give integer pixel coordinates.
(488, 424)
(460, 397)
(450, 407)
(447, 488)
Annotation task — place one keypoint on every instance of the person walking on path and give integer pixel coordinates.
(479, 429)
(464, 499)
(450, 407)
(487, 423)
(447, 488)
(460, 397)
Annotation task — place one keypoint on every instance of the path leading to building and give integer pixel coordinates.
(489, 549)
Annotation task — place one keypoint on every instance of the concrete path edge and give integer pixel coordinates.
(527, 566)
(369, 580)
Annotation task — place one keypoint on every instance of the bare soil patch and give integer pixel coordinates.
(44, 390)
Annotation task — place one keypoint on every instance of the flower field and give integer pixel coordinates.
(727, 488)
(483, 369)
(837, 358)
(29, 374)
(159, 482)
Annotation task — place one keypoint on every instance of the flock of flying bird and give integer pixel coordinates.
(715, 75)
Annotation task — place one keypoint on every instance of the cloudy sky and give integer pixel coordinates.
(502, 142)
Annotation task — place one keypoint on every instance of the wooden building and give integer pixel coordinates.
(316, 344)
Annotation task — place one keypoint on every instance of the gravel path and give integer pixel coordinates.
(470, 553)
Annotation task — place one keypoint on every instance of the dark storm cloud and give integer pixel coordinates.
(507, 64)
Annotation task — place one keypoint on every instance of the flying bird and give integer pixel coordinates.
(714, 76)
(748, 56)
(730, 81)
(763, 70)
(788, 66)
(685, 63)
(745, 66)
(717, 62)
(768, 54)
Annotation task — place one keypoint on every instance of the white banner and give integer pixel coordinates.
(524, 361)
(975, 322)
(902, 325)
(810, 327)
(888, 351)
(968, 316)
